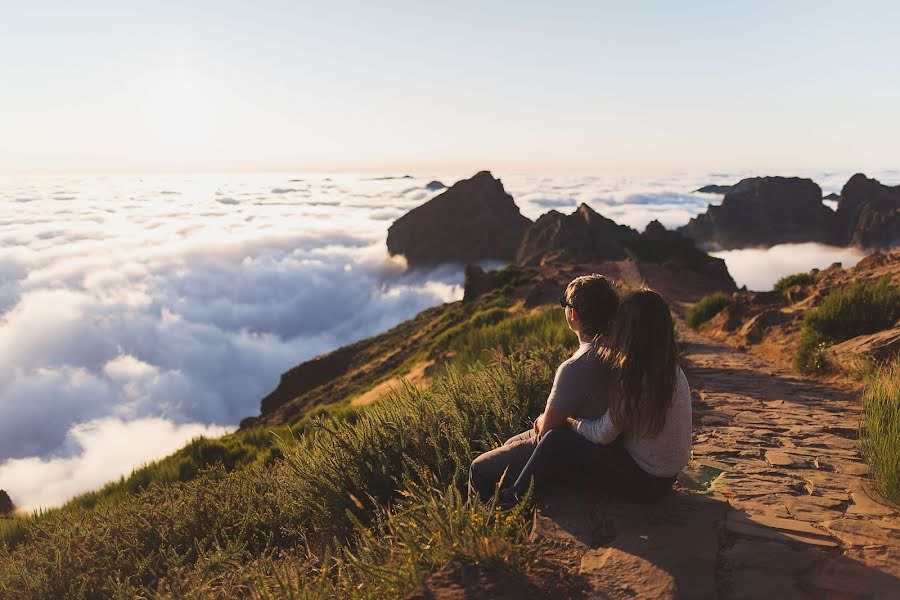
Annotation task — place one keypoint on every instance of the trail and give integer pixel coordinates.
(774, 503)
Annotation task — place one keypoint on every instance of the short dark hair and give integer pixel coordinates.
(596, 300)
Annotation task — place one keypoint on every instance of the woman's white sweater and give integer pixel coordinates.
(663, 455)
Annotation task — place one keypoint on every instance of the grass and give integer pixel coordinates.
(880, 429)
(788, 281)
(708, 307)
(361, 507)
(861, 308)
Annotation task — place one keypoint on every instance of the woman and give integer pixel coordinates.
(643, 440)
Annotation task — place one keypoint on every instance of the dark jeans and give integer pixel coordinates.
(562, 457)
(511, 457)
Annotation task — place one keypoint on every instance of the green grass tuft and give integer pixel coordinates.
(861, 308)
(880, 429)
(789, 281)
(708, 307)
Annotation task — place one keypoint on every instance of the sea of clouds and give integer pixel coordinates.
(138, 312)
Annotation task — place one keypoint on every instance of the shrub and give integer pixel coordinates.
(858, 309)
(789, 281)
(880, 429)
(708, 307)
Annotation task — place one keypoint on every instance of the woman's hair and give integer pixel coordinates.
(596, 300)
(642, 354)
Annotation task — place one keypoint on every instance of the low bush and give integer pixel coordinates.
(861, 308)
(789, 281)
(880, 429)
(708, 307)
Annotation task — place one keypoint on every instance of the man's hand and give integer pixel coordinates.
(551, 418)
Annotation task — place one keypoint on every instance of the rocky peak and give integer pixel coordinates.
(764, 211)
(584, 235)
(473, 220)
(868, 213)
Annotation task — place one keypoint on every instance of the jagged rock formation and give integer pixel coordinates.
(715, 189)
(433, 186)
(477, 283)
(582, 236)
(474, 220)
(764, 211)
(868, 214)
(673, 250)
(6, 504)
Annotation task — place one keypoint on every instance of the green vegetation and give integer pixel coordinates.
(708, 307)
(366, 506)
(788, 281)
(879, 431)
(858, 309)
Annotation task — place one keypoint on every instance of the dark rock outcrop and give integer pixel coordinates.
(474, 220)
(433, 186)
(309, 375)
(868, 214)
(832, 196)
(584, 235)
(764, 211)
(671, 248)
(6, 504)
(477, 283)
(715, 189)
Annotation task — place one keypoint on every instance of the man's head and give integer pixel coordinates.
(592, 301)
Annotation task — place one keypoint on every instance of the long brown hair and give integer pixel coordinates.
(642, 353)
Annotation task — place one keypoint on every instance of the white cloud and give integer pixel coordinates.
(760, 268)
(106, 449)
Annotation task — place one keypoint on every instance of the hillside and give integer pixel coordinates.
(770, 324)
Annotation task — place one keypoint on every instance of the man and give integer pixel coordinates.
(578, 391)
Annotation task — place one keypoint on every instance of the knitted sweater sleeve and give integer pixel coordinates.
(599, 431)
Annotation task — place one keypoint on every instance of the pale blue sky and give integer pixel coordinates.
(113, 86)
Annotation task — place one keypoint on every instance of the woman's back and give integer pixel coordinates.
(666, 453)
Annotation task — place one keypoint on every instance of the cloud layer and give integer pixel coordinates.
(139, 311)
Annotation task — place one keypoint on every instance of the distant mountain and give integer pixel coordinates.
(868, 214)
(764, 211)
(714, 189)
(473, 220)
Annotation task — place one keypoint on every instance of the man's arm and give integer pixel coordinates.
(565, 396)
(551, 418)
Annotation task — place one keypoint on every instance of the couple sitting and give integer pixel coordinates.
(618, 417)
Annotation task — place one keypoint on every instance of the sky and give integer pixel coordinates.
(398, 86)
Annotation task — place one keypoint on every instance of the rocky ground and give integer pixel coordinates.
(774, 504)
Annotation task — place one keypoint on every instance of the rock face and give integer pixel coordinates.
(764, 211)
(672, 249)
(473, 220)
(715, 189)
(584, 235)
(6, 504)
(868, 214)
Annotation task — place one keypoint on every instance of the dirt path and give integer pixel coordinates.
(773, 504)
